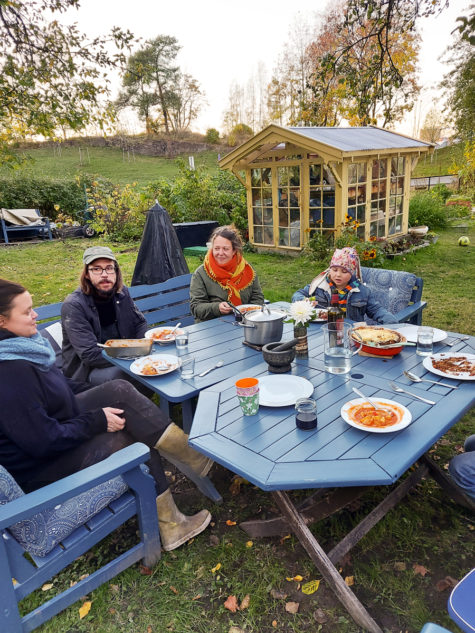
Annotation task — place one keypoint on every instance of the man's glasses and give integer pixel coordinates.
(98, 270)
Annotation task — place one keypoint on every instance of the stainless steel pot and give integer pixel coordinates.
(263, 326)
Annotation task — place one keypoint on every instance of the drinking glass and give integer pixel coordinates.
(187, 367)
(181, 340)
(425, 339)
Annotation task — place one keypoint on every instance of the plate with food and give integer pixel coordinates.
(248, 307)
(360, 414)
(163, 335)
(379, 340)
(410, 332)
(458, 365)
(155, 365)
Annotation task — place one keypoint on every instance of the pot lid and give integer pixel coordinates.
(264, 316)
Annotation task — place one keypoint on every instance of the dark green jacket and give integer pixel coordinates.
(206, 295)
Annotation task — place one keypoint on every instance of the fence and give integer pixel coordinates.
(430, 181)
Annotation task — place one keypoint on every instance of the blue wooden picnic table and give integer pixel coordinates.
(268, 450)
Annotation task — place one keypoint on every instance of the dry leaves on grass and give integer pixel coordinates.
(145, 571)
(350, 580)
(229, 522)
(399, 566)
(320, 616)
(215, 568)
(446, 583)
(236, 483)
(310, 587)
(297, 578)
(278, 595)
(292, 607)
(84, 609)
(46, 586)
(420, 569)
(232, 603)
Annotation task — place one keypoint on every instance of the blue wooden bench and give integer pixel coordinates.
(44, 531)
(167, 302)
(42, 230)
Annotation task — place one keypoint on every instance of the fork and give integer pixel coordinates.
(409, 393)
(456, 340)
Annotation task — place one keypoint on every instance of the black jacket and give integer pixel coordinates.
(82, 330)
(39, 417)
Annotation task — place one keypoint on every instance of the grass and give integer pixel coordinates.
(440, 162)
(106, 162)
(183, 594)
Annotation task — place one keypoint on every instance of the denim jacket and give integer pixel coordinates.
(359, 302)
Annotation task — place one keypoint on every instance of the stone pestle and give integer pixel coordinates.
(285, 346)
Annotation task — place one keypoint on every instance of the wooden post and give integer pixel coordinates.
(325, 566)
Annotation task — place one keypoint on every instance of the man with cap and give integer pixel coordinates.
(100, 309)
(343, 276)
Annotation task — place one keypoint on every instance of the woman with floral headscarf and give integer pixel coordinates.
(344, 277)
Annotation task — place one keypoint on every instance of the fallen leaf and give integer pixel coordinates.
(249, 544)
(236, 629)
(149, 629)
(72, 583)
(320, 616)
(310, 587)
(196, 597)
(83, 576)
(215, 569)
(446, 583)
(235, 487)
(114, 588)
(297, 578)
(399, 566)
(245, 602)
(420, 569)
(284, 538)
(174, 589)
(229, 522)
(278, 595)
(231, 604)
(350, 581)
(292, 607)
(47, 586)
(84, 609)
(145, 571)
(274, 623)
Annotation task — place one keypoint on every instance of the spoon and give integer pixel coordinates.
(220, 363)
(409, 393)
(170, 334)
(415, 378)
(376, 408)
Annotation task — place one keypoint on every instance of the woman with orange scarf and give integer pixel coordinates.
(224, 276)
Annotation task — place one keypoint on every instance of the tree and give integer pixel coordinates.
(52, 76)
(433, 126)
(371, 58)
(151, 78)
(184, 103)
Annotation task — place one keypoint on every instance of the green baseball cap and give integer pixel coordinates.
(97, 252)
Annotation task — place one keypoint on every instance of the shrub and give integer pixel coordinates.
(212, 135)
(425, 208)
(28, 192)
(441, 191)
(195, 195)
(240, 133)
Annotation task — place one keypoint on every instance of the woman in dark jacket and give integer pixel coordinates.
(51, 426)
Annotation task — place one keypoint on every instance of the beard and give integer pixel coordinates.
(103, 295)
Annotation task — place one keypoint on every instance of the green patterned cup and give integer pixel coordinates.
(248, 395)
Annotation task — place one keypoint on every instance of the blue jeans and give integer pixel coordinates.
(462, 468)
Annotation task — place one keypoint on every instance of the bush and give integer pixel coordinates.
(195, 195)
(27, 192)
(240, 133)
(442, 192)
(427, 209)
(212, 135)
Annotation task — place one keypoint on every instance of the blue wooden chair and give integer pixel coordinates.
(398, 291)
(430, 627)
(461, 603)
(45, 530)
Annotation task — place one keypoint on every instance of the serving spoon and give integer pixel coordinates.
(170, 334)
(415, 378)
(376, 408)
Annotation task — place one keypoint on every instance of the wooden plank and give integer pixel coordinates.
(324, 565)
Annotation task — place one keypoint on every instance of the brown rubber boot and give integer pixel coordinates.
(173, 445)
(177, 528)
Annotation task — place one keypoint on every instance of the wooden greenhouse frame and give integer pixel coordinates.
(306, 180)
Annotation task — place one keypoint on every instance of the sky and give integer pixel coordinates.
(223, 42)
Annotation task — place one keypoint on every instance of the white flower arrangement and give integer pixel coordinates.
(301, 313)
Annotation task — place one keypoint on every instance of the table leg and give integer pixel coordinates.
(187, 413)
(323, 563)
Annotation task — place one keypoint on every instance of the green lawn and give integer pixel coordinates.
(121, 168)
(183, 594)
(440, 162)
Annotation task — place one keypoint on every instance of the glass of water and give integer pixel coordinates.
(187, 367)
(181, 340)
(425, 339)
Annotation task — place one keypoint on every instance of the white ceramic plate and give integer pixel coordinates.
(163, 363)
(404, 421)
(427, 362)
(156, 331)
(281, 391)
(410, 332)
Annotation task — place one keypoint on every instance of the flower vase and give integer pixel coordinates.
(300, 333)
